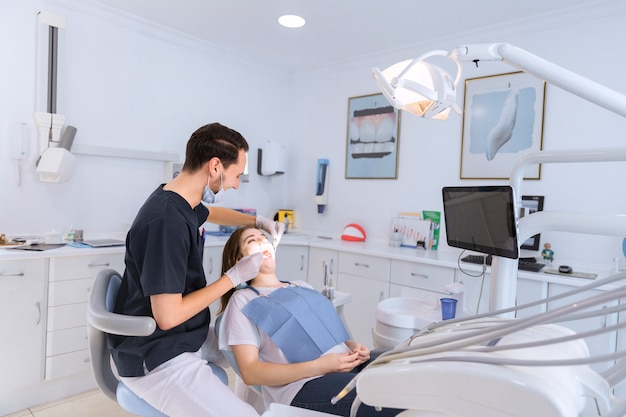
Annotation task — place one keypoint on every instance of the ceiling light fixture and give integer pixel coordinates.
(291, 21)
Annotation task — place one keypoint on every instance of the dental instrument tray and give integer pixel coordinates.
(522, 265)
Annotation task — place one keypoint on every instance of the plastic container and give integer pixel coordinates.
(448, 308)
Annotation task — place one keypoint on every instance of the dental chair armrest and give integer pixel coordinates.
(100, 318)
(121, 324)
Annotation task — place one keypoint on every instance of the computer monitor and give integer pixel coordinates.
(482, 219)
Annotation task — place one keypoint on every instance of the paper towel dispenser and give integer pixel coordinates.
(272, 159)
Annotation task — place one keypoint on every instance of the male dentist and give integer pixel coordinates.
(164, 279)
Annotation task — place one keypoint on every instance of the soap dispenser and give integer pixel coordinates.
(321, 189)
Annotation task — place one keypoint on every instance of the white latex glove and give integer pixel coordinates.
(274, 228)
(245, 269)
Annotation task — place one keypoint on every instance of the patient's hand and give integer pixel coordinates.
(338, 362)
(362, 351)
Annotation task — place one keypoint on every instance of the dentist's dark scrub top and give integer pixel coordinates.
(163, 256)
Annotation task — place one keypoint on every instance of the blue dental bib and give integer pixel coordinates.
(301, 321)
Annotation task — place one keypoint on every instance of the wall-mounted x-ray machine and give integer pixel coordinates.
(55, 162)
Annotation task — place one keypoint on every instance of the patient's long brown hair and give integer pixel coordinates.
(230, 256)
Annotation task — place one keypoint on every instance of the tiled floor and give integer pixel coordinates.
(90, 403)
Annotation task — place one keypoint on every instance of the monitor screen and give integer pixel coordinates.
(481, 219)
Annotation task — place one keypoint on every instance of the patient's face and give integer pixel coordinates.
(254, 241)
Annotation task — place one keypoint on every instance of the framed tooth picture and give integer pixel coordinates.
(502, 121)
(372, 138)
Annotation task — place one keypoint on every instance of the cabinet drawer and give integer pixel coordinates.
(68, 364)
(22, 270)
(65, 341)
(66, 317)
(419, 275)
(69, 292)
(76, 267)
(364, 266)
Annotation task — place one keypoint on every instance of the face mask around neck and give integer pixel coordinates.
(210, 197)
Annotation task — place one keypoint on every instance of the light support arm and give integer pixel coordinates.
(565, 79)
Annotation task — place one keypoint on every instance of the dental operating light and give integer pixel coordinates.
(420, 87)
(425, 89)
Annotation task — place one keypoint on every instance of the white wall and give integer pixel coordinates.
(127, 84)
(133, 85)
(586, 41)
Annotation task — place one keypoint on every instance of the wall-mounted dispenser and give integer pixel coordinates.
(321, 185)
(272, 159)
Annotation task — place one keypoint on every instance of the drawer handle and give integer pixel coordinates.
(86, 360)
(210, 265)
(330, 268)
(360, 264)
(96, 265)
(19, 274)
(301, 262)
(415, 274)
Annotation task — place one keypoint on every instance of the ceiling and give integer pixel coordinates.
(336, 30)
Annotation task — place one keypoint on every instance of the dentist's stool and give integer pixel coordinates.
(100, 321)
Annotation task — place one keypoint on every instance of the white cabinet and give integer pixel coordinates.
(212, 263)
(476, 295)
(424, 281)
(529, 291)
(22, 308)
(291, 262)
(317, 257)
(366, 278)
(68, 290)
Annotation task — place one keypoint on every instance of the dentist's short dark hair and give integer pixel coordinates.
(210, 141)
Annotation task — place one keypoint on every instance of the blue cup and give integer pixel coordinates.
(448, 308)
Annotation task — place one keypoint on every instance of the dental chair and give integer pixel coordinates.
(100, 321)
(248, 393)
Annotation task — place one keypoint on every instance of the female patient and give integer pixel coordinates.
(287, 337)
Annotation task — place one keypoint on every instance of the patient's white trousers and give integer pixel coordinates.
(185, 386)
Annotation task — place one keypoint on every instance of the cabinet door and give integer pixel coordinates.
(22, 308)
(476, 296)
(426, 296)
(212, 263)
(360, 314)
(291, 262)
(315, 275)
(601, 344)
(528, 291)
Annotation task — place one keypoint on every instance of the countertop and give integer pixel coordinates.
(449, 257)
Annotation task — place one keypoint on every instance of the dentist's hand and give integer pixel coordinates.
(246, 269)
(275, 229)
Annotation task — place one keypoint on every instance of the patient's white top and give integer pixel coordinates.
(237, 329)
